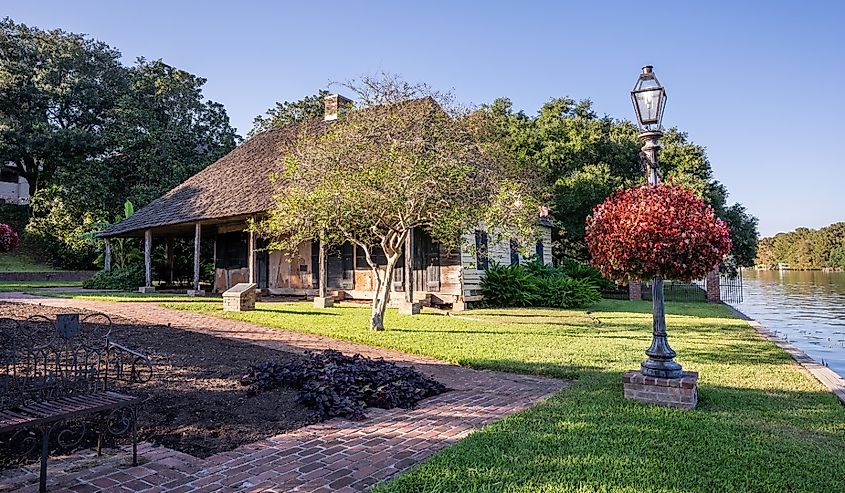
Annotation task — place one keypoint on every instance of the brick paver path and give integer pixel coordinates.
(335, 456)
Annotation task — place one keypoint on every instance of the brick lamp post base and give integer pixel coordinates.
(673, 392)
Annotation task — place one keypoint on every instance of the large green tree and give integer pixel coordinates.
(404, 158)
(88, 133)
(285, 113)
(57, 90)
(586, 157)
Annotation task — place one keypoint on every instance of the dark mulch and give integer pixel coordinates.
(196, 404)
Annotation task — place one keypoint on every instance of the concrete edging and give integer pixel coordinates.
(823, 374)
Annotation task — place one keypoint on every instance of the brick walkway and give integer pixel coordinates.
(335, 456)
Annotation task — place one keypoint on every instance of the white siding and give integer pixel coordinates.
(499, 252)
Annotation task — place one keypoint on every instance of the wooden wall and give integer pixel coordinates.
(498, 252)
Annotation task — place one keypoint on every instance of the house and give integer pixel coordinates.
(14, 189)
(219, 201)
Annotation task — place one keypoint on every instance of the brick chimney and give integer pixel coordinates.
(336, 104)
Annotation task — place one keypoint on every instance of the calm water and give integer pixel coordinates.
(808, 308)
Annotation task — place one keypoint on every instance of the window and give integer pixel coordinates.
(8, 176)
(481, 259)
(539, 250)
(514, 253)
(231, 251)
(376, 253)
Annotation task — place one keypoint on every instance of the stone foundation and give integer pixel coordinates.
(195, 292)
(320, 302)
(406, 308)
(147, 289)
(673, 392)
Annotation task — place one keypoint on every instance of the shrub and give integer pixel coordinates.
(508, 285)
(9, 240)
(564, 292)
(532, 285)
(339, 385)
(656, 230)
(58, 231)
(586, 272)
(125, 279)
(538, 268)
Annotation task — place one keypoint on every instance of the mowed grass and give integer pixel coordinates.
(12, 262)
(762, 423)
(14, 286)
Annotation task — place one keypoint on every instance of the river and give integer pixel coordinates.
(806, 307)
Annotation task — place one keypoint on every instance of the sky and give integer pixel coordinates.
(760, 84)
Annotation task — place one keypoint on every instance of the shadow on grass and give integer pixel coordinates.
(589, 438)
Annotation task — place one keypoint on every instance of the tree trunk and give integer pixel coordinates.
(382, 297)
(28, 169)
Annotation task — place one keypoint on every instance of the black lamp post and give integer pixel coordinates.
(649, 100)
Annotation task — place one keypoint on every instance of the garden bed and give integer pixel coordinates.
(196, 404)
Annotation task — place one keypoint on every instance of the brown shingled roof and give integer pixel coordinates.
(237, 184)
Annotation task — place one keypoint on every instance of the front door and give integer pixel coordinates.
(340, 271)
(426, 262)
(262, 264)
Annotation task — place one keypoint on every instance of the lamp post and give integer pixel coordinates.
(649, 99)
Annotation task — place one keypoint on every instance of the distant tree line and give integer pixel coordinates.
(89, 133)
(805, 248)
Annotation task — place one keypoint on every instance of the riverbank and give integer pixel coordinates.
(827, 377)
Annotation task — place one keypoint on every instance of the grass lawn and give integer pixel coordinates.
(12, 286)
(10, 262)
(762, 423)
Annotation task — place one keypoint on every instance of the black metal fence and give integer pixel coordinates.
(618, 293)
(679, 291)
(730, 288)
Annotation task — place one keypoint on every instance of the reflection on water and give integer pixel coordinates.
(807, 308)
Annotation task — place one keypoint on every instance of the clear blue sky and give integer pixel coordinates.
(760, 84)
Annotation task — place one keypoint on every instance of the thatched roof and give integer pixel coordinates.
(238, 184)
(235, 187)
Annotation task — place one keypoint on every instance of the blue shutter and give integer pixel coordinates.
(539, 249)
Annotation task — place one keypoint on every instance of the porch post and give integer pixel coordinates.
(197, 243)
(409, 267)
(107, 257)
(409, 307)
(323, 300)
(168, 257)
(148, 262)
(250, 249)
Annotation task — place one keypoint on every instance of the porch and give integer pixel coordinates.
(239, 255)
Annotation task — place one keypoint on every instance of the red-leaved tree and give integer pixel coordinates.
(9, 240)
(656, 230)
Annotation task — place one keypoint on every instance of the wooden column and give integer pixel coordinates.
(168, 259)
(148, 258)
(197, 243)
(251, 256)
(409, 267)
(324, 275)
(107, 256)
